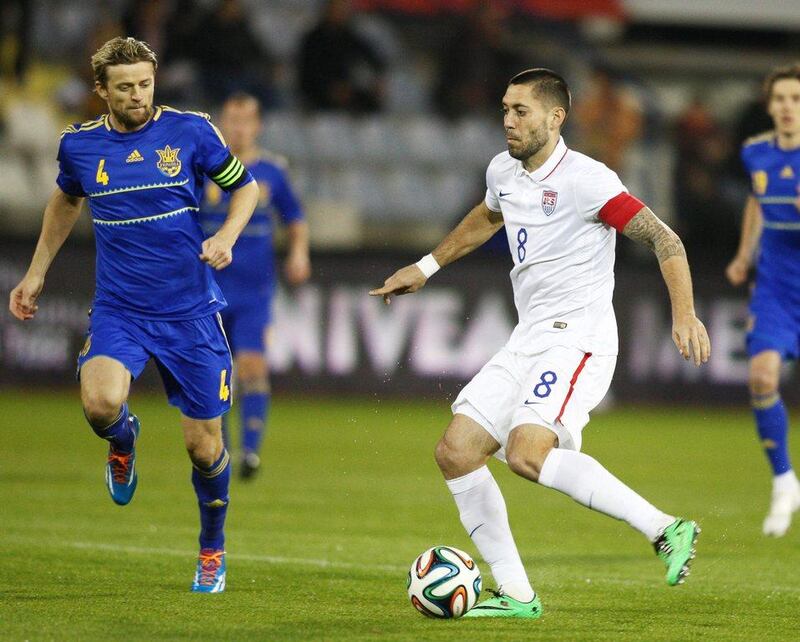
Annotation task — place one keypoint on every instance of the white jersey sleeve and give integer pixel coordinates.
(594, 187)
(492, 200)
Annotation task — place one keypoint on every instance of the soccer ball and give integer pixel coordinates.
(444, 582)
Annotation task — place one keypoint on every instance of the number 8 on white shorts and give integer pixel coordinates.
(556, 389)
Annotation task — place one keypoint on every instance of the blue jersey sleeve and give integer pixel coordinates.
(285, 200)
(215, 160)
(67, 180)
(747, 157)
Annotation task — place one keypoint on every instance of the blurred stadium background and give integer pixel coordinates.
(664, 94)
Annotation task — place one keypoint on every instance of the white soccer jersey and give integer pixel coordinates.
(560, 222)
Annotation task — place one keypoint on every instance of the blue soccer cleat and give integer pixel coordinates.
(210, 574)
(121, 477)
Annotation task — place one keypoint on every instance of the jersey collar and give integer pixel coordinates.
(548, 166)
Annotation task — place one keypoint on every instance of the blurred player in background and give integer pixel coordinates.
(771, 231)
(530, 402)
(142, 169)
(249, 283)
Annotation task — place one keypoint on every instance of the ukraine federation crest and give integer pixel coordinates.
(168, 161)
(549, 200)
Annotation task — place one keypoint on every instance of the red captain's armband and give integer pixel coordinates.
(619, 210)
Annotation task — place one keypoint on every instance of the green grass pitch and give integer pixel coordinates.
(319, 545)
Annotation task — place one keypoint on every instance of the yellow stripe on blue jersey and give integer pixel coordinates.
(202, 114)
(83, 127)
(764, 137)
(136, 188)
(145, 219)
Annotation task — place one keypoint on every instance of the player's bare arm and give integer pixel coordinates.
(477, 227)
(752, 221)
(688, 332)
(218, 249)
(298, 262)
(60, 215)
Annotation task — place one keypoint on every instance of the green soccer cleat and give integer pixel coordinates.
(503, 606)
(675, 546)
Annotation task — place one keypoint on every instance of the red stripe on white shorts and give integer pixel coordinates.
(572, 381)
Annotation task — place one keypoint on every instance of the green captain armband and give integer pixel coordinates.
(230, 174)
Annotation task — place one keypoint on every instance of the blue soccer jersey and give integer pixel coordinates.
(253, 268)
(144, 190)
(775, 305)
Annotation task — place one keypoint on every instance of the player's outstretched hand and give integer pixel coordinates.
(217, 252)
(297, 268)
(737, 271)
(22, 301)
(405, 281)
(691, 338)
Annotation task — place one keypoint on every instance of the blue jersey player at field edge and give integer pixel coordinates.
(771, 238)
(248, 284)
(142, 170)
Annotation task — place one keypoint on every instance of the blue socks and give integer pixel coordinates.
(772, 423)
(254, 410)
(211, 486)
(118, 433)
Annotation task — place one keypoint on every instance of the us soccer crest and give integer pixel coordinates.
(549, 200)
(168, 161)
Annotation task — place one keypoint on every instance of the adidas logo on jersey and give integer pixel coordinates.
(134, 157)
(787, 172)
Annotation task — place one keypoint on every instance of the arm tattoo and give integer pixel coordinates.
(649, 230)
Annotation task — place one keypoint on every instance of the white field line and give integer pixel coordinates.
(268, 559)
(323, 563)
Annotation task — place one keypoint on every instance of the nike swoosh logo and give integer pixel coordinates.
(531, 403)
(474, 529)
(506, 194)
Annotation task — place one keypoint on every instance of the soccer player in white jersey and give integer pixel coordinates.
(528, 405)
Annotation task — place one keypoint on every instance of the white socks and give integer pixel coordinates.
(483, 511)
(785, 482)
(483, 514)
(588, 483)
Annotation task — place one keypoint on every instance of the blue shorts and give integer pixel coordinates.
(773, 325)
(192, 356)
(246, 320)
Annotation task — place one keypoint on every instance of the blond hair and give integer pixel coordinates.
(121, 51)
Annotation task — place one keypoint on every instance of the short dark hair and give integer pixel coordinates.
(240, 97)
(547, 86)
(780, 73)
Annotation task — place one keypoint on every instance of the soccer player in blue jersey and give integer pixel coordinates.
(142, 170)
(771, 239)
(249, 282)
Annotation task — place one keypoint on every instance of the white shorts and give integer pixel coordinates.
(556, 389)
